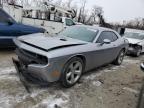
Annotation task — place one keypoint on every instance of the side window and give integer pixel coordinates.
(114, 36)
(107, 35)
(69, 22)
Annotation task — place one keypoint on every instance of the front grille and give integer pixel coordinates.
(27, 57)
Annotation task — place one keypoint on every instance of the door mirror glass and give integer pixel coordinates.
(106, 41)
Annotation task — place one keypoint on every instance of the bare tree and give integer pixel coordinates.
(137, 23)
(97, 11)
(82, 15)
(69, 3)
(58, 2)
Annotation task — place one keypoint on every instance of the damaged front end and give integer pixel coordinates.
(134, 49)
(27, 57)
(20, 74)
(31, 68)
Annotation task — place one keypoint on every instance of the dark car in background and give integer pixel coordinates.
(10, 29)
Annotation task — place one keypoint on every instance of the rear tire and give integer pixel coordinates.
(72, 72)
(120, 57)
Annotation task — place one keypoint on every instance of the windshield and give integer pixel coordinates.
(80, 33)
(139, 36)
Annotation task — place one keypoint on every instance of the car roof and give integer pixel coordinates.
(95, 27)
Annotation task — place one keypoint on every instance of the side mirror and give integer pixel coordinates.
(106, 41)
(142, 66)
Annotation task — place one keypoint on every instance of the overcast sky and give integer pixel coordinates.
(119, 10)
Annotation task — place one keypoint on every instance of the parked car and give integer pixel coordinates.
(136, 42)
(141, 95)
(65, 57)
(10, 29)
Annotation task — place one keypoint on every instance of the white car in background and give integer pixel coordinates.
(136, 42)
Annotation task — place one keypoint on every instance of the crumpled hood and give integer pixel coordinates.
(133, 41)
(48, 43)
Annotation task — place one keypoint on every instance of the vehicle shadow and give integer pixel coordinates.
(96, 70)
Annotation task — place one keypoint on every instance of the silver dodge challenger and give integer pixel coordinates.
(66, 56)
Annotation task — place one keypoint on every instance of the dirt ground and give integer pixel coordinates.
(107, 87)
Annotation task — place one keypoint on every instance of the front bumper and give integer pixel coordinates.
(35, 74)
(20, 74)
(131, 50)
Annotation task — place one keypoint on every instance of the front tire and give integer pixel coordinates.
(138, 53)
(72, 72)
(120, 57)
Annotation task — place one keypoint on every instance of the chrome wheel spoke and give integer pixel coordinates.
(71, 67)
(74, 72)
(72, 78)
(78, 72)
(77, 65)
(69, 75)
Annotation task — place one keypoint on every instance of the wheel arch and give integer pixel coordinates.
(81, 56)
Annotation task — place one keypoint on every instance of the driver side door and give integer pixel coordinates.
(106, 52)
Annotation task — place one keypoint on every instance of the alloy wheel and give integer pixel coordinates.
(74, 72)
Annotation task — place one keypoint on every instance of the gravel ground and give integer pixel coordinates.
(107, 87)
